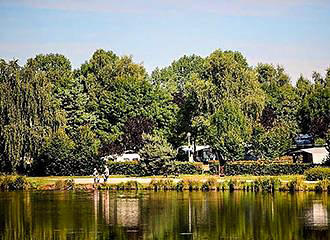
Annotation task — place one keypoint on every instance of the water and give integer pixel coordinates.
(163, 215)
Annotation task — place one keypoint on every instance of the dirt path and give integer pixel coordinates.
(120, 180)
(146, 180)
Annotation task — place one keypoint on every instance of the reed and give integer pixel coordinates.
(12, 183)
(67, 184)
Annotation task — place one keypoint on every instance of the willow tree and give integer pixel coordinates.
(28, 113)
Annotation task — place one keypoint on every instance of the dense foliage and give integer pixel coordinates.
(318, 173)
(59, 121)
(231, 168)
(262, 169)
(13, 183)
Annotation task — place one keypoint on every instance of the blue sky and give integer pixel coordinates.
(292, 33)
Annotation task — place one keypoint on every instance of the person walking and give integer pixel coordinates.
(96, 176)
(106, 173)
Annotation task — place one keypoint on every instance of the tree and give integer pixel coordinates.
(56, 156)
(134, 129)
(229, 131)
(225, 99)
(119, 92)
(273, 132)
(314, 112)
(28, 113)
(156, 154)
(314, 109)
(273, 142)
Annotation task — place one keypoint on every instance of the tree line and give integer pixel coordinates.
(55, 119)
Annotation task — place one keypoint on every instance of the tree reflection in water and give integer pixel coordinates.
(163, 215)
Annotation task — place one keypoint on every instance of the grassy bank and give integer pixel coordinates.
(181, 183)
(258, 184)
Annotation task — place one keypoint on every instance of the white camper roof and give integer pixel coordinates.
(198, 148)
(319, 154)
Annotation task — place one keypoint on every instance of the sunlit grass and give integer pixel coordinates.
(52, 179)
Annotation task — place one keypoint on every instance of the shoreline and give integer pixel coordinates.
(160, 183)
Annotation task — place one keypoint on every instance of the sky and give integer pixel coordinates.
(292, 33)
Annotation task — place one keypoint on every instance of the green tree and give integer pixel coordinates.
(225, 99)
(229, 131)
(314, 109)
(119, 90)
(273, 132)
(56, 155)
(156, 153)
(28, 113)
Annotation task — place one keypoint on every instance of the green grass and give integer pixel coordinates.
(240, 177)
(52, 179)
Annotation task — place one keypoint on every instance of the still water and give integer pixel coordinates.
(163, 215)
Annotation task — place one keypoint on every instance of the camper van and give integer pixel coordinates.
(197, 153)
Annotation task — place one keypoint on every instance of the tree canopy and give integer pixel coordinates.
(55, 119)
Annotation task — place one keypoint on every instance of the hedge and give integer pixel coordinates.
(125, 168)
(65, 167)
(318, 173)
(140, 169)
(231, 168)
(261, 168)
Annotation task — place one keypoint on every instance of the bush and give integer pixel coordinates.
(263, 168)
(125, 168)
(166, 184)
(323, 185)
(13, 183)
(152, 168)
(191, 184)
(231, 168)
(67, 184)
(265, 184)
(63, 156)
(210, 184)
(318, 173)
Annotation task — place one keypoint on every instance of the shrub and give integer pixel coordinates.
(265, 184)
(13, 183)
(210, 184)
(191, 184)
(318, 173)
(65, 156)
(166, 184)
(323, 185)
(232, 184)
(152, 168)
(231, 169)
(132, 185)
(59, 185)
(67, 184)
(125, 168)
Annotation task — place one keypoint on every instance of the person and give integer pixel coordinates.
(96, 176)
(106, 173)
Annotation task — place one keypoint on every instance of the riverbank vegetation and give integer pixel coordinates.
(58, 121)
(183, 183)
(260, 184)
(318, 173)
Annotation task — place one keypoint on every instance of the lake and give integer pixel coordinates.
(163, 215)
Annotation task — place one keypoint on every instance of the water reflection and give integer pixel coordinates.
(317, 215)
(163, 215)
